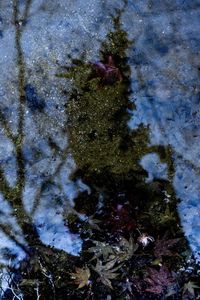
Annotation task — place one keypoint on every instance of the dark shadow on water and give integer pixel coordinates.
(34, 102)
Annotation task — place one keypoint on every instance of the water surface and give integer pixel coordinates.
(52, 182)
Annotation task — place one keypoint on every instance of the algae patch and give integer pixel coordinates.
(98, 114)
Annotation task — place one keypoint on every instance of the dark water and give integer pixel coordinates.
(99, 149)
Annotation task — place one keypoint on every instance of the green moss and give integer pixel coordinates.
(97, 115)
(98, 132)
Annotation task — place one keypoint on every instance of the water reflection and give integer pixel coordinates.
(166, 93)
(37, 192)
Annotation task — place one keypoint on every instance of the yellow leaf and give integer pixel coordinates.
(81, 277)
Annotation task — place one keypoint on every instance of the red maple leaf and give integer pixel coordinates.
(158, 281)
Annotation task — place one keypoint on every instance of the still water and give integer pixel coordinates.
(99, 131)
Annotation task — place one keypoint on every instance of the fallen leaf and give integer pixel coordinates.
(126, 248)
(94, 223)
(106, 272)
(162, 247)
(101, 249)
(81, 277)
(158, 281)
(190, 286)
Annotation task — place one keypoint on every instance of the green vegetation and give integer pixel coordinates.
(97, 112)
(118, 246)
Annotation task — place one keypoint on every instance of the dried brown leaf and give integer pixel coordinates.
(81, 277)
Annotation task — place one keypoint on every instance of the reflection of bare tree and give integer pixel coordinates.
(32, 244)
(12, 286)
(15, 194)
(22, 217)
